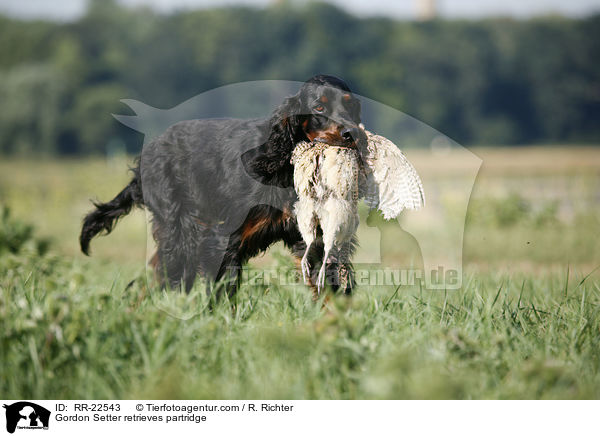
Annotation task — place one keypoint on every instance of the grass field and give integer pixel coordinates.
(526, 323)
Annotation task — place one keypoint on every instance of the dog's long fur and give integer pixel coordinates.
(221, 191)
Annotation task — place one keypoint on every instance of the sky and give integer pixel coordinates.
(71, 9)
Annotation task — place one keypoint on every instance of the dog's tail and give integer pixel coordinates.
(106, 215)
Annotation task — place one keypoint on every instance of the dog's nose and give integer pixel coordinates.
(350, 133)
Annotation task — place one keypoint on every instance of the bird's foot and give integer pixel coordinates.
(321, 278)
(305, 269)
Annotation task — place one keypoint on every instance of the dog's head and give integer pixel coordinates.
(324, 109)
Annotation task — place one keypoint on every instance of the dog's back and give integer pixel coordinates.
(194, 182)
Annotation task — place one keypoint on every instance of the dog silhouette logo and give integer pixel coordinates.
(26, 415)
(430, 239)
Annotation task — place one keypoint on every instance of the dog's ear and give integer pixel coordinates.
(286, 124)
(270, 162)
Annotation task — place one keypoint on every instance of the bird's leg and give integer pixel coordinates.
(343, 269)
(322, 271)
(328, 237)
(304, 265)
(330, 220)
(306, 224)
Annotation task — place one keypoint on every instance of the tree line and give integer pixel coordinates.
(495, 81)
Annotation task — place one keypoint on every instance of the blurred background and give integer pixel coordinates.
(516, 82)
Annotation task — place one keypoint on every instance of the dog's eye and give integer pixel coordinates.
(319, 108)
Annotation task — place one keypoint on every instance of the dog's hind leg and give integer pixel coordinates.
(229, 277)
(178, 253)
(196, 245)
(167, 270)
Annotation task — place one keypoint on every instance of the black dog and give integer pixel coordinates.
(221, 191)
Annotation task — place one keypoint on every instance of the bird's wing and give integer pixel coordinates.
(392, 183)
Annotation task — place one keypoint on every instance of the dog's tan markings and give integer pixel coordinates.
(262, 223)
(253, 226)
(310, 135)
(202, 223)
(287, 214)
(331, 135)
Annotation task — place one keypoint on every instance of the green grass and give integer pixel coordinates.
(526, 323)
(68, 332)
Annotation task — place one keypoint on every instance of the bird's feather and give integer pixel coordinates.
(392, 183)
